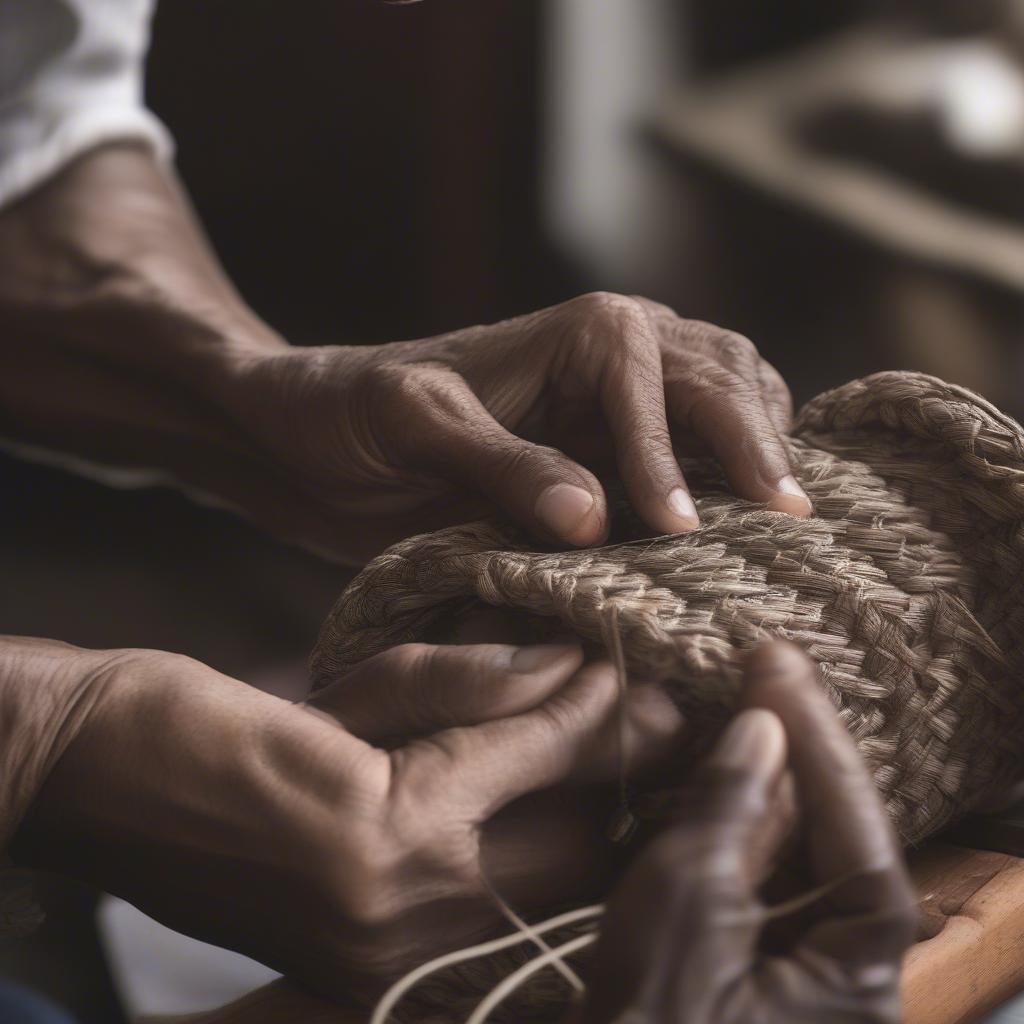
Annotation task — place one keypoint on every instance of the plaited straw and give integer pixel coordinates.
(905, 586)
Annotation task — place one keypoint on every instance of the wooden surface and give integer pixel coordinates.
(970, 958)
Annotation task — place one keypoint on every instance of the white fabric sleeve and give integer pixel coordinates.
(71, 74)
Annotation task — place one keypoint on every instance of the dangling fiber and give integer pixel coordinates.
(528, 933)
(623, 823)
(391, 998)
(513, 981)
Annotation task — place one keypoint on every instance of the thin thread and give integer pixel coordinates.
(391, 998)
(554, 957)
(508, 985)
(759, 914)
(624, 823)
(791, 906)
(530, 933)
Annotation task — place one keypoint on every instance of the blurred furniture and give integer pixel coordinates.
(760, 125)
(972, 959)
(908, 151)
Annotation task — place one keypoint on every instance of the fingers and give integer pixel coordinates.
(775, 394)
(632, 395)
(643, 741)
(489, 765)
(435, 422)
(848, 833)
(682, 926)
(729, 414)
(718, 386)
(734, 787)
(418, 689)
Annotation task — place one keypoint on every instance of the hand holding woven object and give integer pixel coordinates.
(905, 587)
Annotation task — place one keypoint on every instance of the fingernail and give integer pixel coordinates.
(682, 506)
(541, 656)
(753, 739)
(791, 498)
(563, 507)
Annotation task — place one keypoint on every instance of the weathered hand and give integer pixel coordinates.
(381, 442)
(129, 346)
(272, 829)
(682, 939)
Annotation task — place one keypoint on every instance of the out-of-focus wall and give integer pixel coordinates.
(609, 62)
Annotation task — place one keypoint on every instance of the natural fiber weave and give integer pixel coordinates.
(905, 586)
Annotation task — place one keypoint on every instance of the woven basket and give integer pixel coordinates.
(905, 586)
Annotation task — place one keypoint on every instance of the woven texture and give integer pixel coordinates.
(905, 587)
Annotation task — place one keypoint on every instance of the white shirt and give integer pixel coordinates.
(71, 76)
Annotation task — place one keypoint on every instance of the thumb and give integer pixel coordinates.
(418, 689)
(541, 488)
(679, 930)
(487, 766)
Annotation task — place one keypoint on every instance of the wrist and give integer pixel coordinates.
(176, 765)
(49, 691)
(270, 393)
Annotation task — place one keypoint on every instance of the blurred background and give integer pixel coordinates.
(840, 181)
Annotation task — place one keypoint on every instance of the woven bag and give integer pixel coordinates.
(905, 586)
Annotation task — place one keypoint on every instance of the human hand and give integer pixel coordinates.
(380, 442)
(134, 349)
(271, 828)
(681, 941)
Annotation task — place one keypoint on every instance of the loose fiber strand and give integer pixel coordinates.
(529, 933)
(391, 998)
(505, 988)
(624, 823)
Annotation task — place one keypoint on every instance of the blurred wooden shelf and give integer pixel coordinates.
(748, 126)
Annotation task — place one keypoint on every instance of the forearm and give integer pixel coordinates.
(122, 340)
(139, 780)
(47, 691)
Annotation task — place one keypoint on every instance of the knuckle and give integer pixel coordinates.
(399, 390)
(583, 707)
(423, 766)
(655, 308)
(704, 338)
(703, 378)
(737, 349)
(516, 460)
(598, 303)
(511, 461)
(392, 394)
(387, 380)
(741, 392)
(654, 447)
(622, 314)
(565, 715)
